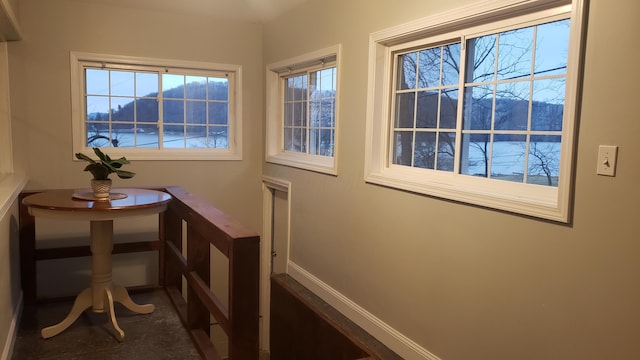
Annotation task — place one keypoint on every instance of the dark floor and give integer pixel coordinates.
(159, 335)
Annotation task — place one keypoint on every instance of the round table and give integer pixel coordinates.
(80, 205)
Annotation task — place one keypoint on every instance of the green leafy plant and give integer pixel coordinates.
(105, 166)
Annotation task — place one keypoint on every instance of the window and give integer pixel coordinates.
(479, 110)
(302, 115)
(156, 109)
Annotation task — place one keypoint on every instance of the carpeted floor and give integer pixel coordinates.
(159, 335)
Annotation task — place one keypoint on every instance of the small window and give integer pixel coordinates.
(480, 109)
(302, 111)
(156, 110)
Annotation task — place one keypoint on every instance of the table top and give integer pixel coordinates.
(67, 200)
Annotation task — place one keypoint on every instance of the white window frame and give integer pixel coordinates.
(275, 120)
(78, 61)
(546, 202)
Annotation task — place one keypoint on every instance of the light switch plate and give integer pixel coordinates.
(607, 156)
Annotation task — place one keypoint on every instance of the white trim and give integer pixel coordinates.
(274, 144)
(533, 200)
(383, 332)
(234, 152)
(10, 188)
(6, 152)
(12, 334)
(269, 185)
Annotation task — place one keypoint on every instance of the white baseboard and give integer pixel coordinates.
(387, 335)
(13, 330)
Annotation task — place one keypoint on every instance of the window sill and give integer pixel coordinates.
(321, 164)
(530, 200)
(10, 187)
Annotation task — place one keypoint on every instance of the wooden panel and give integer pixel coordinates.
(303, 326)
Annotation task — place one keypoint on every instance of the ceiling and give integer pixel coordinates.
(247, 10)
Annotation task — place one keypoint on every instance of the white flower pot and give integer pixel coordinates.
(101, 188)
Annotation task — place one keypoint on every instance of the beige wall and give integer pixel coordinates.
(461, 281)
(40, 91)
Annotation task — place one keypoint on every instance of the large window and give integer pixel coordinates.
(482, 112)
(302, 111)
(156, 110)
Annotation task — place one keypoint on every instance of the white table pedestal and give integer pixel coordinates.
(103, 292)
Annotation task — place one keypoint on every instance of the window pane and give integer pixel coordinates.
(196, 87)
(512, 106)
(552, 46)
(218, 113)
(548, 104)
(514, 53)
(299, 140)
(449, 109)
(405, 103)
(328, 82)
(328, 118)
(481, 53)
(98, 138)
(147, 84)
(300, 114)
(196, 112)
(173, 111)
(407, 71)
(121, 109)
(218, 89)
(173, 137)
(196, 137)
(288, 139)
(147, 110)
(507, 160)
(147, 136)
(122, 83)
(427, 116)
(314, 141)
(403, 143)
(451, 64)
(300, 88)
(97, 108)
(544, 160)
(446, 151)
(97, 82)
(173, 86)
(315, 113)
(218, 137)
(477, 107)
(475, 154)
(326, 142)
(424, 156)
(429, 68)
(288, 114)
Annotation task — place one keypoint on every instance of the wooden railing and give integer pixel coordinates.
(205, 226)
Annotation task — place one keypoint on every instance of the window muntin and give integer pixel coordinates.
(156, 109)
(309, 112)
(509, 117)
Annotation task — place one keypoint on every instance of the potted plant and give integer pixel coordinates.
(101, 169)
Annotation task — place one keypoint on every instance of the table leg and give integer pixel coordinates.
(121, 295)
(82, 303)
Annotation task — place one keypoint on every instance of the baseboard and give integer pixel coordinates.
(13, 330)
(387, 335)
